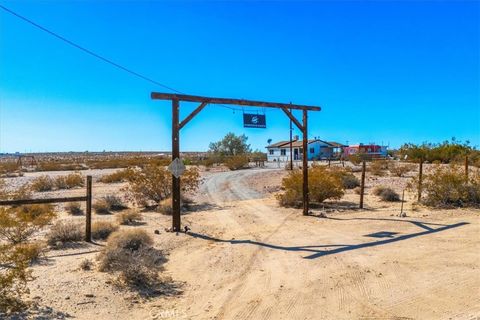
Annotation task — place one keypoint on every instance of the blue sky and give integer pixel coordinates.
(390, 72)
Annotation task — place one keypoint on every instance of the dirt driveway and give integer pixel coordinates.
(250, 259)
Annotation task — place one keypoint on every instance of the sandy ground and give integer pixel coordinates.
(248, 258)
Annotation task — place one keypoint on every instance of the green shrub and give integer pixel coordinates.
(19, 224)
(42, 183)
(152, 184)
(323, 184)
(448, 187)
(236, 162)
(65, 231)
(14, 275)
(102, 229)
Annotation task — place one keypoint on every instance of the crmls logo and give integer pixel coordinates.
(255, 119)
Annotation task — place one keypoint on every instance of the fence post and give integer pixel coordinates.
(88, 213)
(466, 168)
(420, 176)
(362, 185)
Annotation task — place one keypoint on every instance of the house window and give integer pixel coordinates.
(270, 152)
(283, 152)
(301, 150)
(312, 150)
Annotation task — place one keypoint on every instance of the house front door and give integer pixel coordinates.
(295, 154)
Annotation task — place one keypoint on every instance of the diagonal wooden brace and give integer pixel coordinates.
(191, 115)
(294, 120)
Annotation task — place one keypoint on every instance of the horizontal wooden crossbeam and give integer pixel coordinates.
(239, 102)
(41, 201)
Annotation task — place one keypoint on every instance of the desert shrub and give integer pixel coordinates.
(8, 167)
(18, 224)
(114, 203)
(400, 170)
(102, 229)
(34, 251)
(323, 184)
(65, 231)
(388, 194)
(357, 190)
(448, 187)
(129, 217)
(236, 162)
(14, 275)
(349, 180)
(378, 167)
(86, 265)
(130, 253)
(116, 177)
(355, 159)
(69, 181)
(74, 208)
(378, 190)
(42, 183)
(21, 193)
(165, 206)
(108, 204)
(152, 184)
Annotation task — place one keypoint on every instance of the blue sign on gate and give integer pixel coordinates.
(254, 120)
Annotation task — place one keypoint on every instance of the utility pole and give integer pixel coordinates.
(291, 129)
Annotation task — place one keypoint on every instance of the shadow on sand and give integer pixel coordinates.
(316, 251)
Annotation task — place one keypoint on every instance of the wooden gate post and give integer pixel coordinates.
(88, 212)
(420, 177)
(362, 183)
(466, 168)
(305, 165)
(176, 223)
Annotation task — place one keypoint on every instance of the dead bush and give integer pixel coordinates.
(130, 217)
(357, 190)
(42, 184)
(355, 159)
(378, 167)
(388, 194)
(116, 177)
(236, 162)
(74, 208)
(108, 204)
(165, 206)
(130, 253)
(63, 232)
(86, 265)
(448, 187)
(152, 184)
(70, 181)
(378, 190)
(323, 184)
(18, 224)
(14, 275)
(401, 170)
(102, 229)
(23, 192)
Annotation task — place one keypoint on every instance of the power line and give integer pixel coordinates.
(98, 56)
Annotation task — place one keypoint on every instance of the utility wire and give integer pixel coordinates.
(90, 52)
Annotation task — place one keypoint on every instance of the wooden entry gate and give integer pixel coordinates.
(204, 101)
